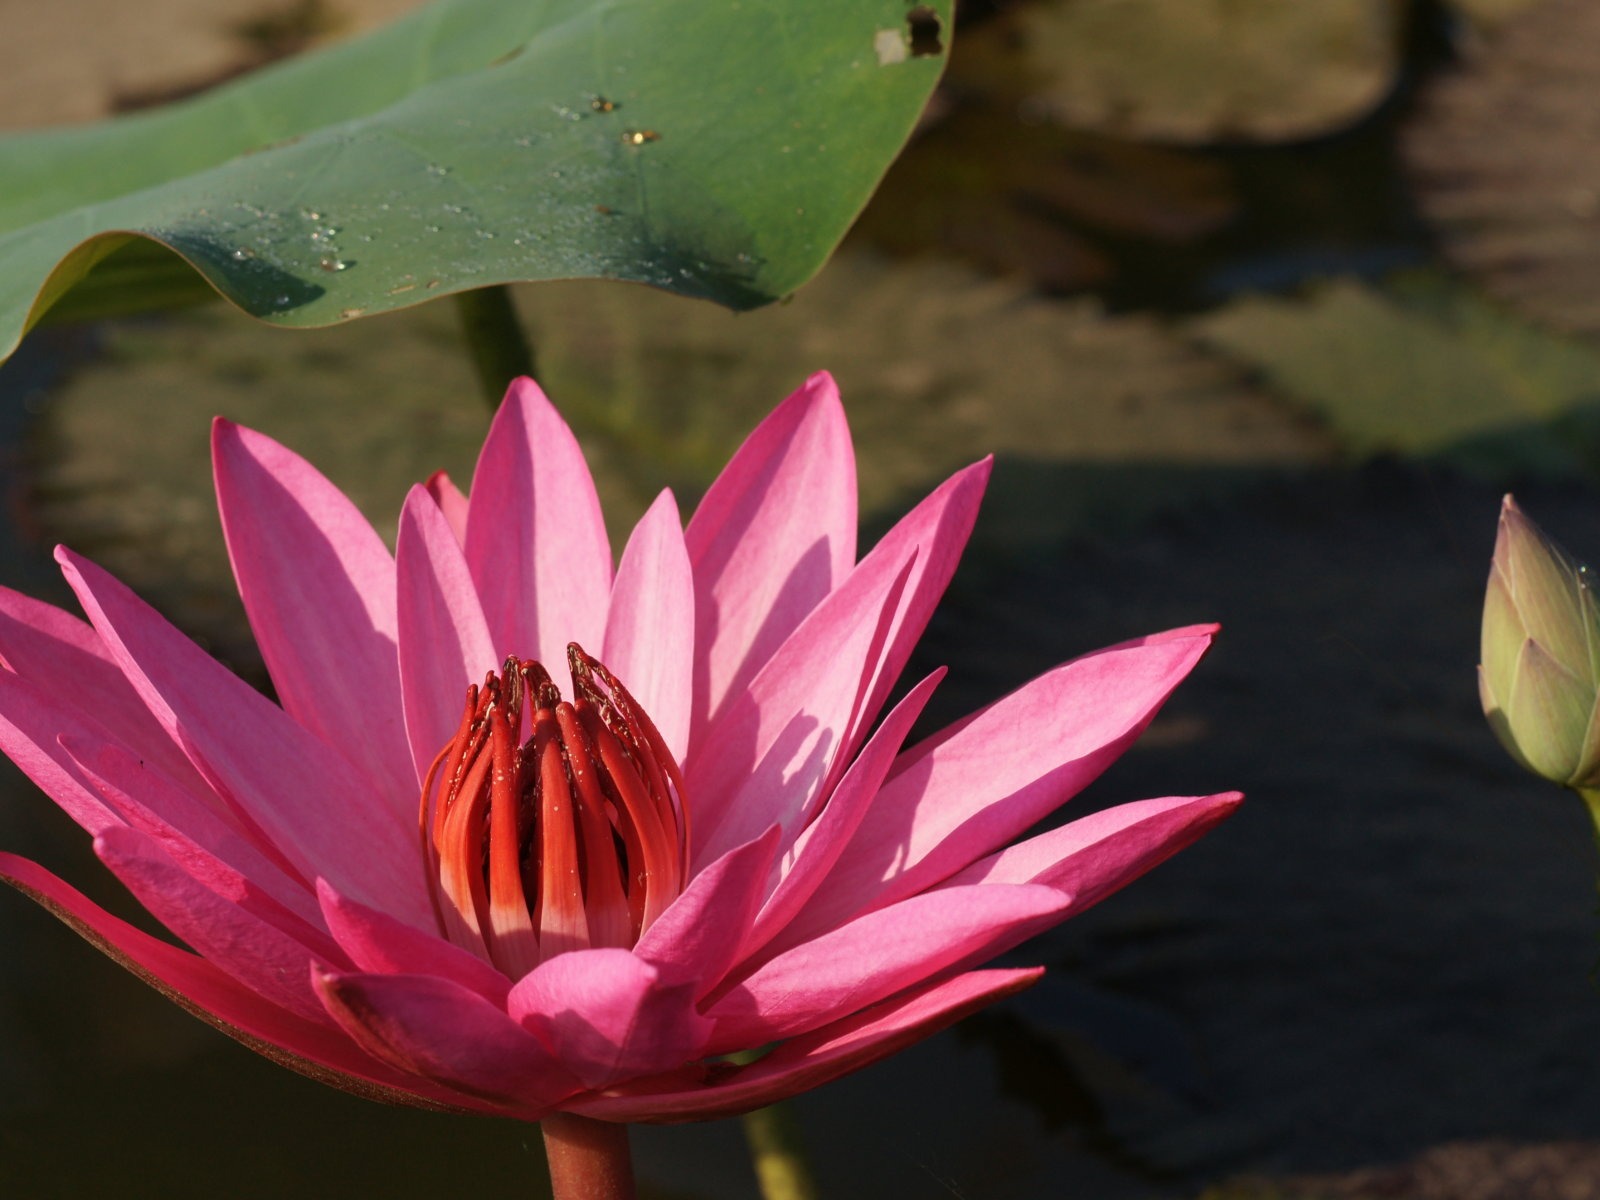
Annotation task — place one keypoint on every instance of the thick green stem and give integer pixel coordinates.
(1591, 797)
(588, 1159)
(774, 1137)
(500, 350)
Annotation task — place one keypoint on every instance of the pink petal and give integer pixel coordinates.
(649, 643)
(877, 955)
(47, 646)
(811, 855)
(436, 1030)
(698, 937)
(775, 533)
(817, 696)
(260, 956)
(452, 502)
(767, 758)
(1095, 855)
(204, 990)
(31, 720)
(956, 796)
(313, 805)
(444, 639)
(535, 539)
(319, 587)
(210, 850)
(380, 945)
(608, 1015)
(939, 528)
(725, 1090)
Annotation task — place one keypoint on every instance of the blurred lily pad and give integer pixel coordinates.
(1503, 155)
(1424, 368)
(1200, 70)
(1099, 421)
(714, 152)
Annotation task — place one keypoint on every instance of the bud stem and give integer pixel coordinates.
(780, 1161)
(588, 1159)
(1591, 797)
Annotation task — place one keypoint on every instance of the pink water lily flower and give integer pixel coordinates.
(525, 834)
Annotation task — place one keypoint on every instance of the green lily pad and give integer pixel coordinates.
(1502, 153)
(717, 152)
(1425, 368)
(1199, 70)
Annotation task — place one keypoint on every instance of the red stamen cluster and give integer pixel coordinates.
(550, 826)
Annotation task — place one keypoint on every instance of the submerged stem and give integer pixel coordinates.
(588, 1159)
(781, 1168)
(500, 349)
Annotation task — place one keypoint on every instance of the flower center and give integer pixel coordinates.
(550, 826)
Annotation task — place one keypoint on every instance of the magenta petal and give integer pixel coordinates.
(316, 807)
(796, 1066)
(649, 642)
(774, 534)
(608, 1015)
(699, 936)
(207, 992)
(452, 502)
(806, 712)
(877, 955)
(767, 758)
(437, 1030)
(444, 639)
(956, 796)
(319, 587)
(535, 539)
(807, 861)
(31, 723)
(45, 645)
(210, 850)
(1095, 855)
(260, 956)
(379, 944)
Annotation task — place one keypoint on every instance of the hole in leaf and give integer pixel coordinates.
(924, 26)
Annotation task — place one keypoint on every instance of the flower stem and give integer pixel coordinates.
(500, 350)
(588, 1159)
(774, 1137)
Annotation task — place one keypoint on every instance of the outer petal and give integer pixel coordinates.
(775, 533)
(258, 955)
(437, 1030)
(1095, 855)
(377, 943)
(649, 641)
(319, 587)
(769, 756)
(609, 1016)
(444, 639)
(875, 956)
(305, 797)
(825, 685)
(212, 852)
(812, 853)
(699, 936)
(724, 1090)
(194, 984)
(978, 784)
(535, 540)
(46, 646)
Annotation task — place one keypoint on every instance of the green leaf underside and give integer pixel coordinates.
(716, 150)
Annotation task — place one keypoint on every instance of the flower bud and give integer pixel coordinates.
(1540, 669)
